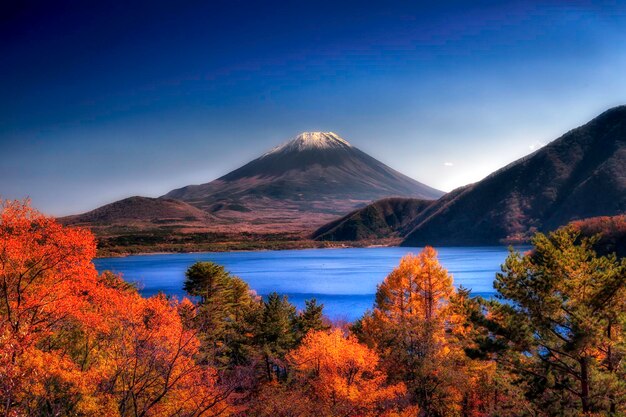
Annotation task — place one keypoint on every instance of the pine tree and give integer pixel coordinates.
(311, 318)
(225, 314)
(561, 326)
(205, 279)
(276, 333)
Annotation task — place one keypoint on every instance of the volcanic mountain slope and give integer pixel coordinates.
(301, 184)
(381, 219)
(141, 213)
(582, 174)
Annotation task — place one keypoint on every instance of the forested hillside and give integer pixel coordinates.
(579, 175)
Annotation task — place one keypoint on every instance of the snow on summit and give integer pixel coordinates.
(311, 141)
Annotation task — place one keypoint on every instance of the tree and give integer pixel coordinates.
(276, 333)
(343, 374)
(73, 342)
(311, 318)
(205, 280)
(147, 361)
(561, 326)
(487, 389)
(44, 269)
(411, 329)
(226, 314)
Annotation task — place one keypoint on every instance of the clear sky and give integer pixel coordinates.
(104, 100)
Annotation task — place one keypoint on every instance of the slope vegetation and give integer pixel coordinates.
(142, 213)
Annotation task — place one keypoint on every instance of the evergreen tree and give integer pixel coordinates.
(225, 314)
(276, 333)
(561, 326)
(311, 318)
(205, 279)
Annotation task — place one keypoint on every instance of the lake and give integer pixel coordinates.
(344, 280)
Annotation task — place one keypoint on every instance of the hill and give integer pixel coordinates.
(141, 213)
(580, 175)
(381, 219)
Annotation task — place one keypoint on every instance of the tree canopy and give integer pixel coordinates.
(77, 343)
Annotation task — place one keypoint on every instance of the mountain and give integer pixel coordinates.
(582, 174)
(142, 213)
(381, 219)
(301, 184)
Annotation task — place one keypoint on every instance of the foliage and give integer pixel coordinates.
(75, 343)
(612, 231)
(225, 314)
(408, 328)
(276, 335)
(311, 318)
(419, 329)
(343, 375)
(561, 326)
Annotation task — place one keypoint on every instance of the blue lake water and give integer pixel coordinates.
(344, 280)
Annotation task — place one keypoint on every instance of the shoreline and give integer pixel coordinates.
(325, 245)
(237, 246)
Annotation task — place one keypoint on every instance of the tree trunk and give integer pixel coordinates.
(268, 368)
(584, 384)
(609, 358)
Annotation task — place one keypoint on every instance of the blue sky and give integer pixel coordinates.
(104, 100)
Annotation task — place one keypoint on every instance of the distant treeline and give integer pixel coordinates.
(175, 242)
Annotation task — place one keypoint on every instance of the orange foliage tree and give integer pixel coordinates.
(76, 343)
(343, 374)
(416, 332)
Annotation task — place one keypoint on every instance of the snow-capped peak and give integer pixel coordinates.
(312, 140)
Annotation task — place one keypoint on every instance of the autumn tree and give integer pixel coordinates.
(411, 327)
(44, 268)
(76, 343)
(561, 327)
(343, 375)
(487, 388)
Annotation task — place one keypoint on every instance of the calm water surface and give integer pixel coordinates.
(343, 279)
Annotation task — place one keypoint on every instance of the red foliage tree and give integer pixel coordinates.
(73, 342)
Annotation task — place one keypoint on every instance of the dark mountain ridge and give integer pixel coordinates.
(582, 174)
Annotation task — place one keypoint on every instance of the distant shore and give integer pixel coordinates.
(109, 251)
